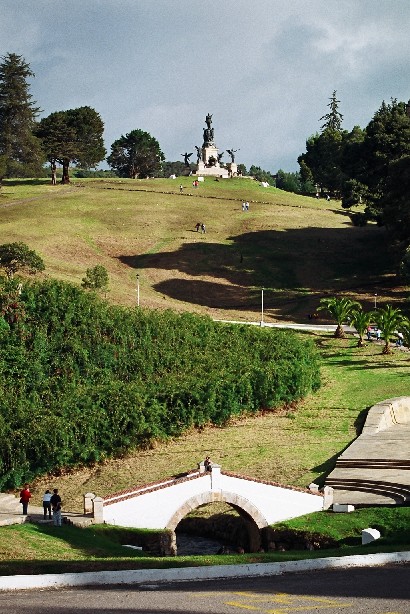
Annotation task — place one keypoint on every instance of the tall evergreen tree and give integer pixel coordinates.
(324, 151)
(333, 119)
(18, 112)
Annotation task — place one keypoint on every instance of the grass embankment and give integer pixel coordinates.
(297, 248)
(34, 549)
(296, 445)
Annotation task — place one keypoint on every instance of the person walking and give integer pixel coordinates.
(25, 496)
(47, 505)
(55, 501)
(203, 228)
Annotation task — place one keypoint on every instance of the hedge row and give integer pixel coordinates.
(80, 379)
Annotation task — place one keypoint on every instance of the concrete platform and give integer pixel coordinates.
(375, 468)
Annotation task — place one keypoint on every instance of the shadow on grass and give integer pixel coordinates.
(21, 182)
(296, 267)
(94, 541)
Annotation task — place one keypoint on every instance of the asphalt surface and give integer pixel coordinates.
(379, 590)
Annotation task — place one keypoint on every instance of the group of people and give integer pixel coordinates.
(245, 206)
(51, 504)
(201, 226)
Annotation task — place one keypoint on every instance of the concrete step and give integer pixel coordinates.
(349, 490)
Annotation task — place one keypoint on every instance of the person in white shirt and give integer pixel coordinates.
(47, 504)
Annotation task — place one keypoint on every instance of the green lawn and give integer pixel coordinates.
(34, 549)
(299, 249)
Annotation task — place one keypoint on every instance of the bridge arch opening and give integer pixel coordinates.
(251, 518)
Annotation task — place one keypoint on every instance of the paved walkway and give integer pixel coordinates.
(374, 469)
(11, 513)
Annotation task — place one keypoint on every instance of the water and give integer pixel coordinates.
(193, 544)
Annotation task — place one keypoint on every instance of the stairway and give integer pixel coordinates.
(374, 469)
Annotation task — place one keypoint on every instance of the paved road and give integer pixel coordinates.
(379, 590)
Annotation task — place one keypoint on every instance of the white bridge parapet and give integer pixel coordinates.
(163, 505)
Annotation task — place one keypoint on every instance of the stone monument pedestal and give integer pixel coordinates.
(205, 168)
(211, 171)
(233, 169)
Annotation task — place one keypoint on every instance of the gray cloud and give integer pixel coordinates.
(265, 69)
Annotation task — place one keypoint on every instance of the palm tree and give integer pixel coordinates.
(389, 320)
(339, 309)
(361, 321)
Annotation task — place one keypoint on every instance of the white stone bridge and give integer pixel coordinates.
(164, 504)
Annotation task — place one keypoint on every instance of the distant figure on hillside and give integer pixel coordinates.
(56, 506)
(203, 228)
(53, 175)
(400, 340)
(25, 496)
(198, 226)
(47, 504)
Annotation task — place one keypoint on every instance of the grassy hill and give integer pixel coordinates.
(297, 248)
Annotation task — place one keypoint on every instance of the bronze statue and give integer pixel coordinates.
(208, 120)
(208, 137)
(198, 154)
(186, 157)
(220, 156)
(232, 153)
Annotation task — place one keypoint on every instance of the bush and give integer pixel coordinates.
(81, 379)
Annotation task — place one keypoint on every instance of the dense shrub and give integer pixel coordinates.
(81, 379)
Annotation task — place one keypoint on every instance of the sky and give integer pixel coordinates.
(265, 69)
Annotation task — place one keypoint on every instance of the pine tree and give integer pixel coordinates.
(333, 119)
(18, 113)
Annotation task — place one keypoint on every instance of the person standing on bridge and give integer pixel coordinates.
(208, 464)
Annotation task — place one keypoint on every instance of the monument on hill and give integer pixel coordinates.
(208, 156)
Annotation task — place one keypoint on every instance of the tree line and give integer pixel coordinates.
(73, 136)
(367, 168)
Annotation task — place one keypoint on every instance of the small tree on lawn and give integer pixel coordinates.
(18, 256)
(96, 278)
(361, 321)
(339, 309)
(389, 320)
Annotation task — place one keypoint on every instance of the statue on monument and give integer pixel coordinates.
(208, 136)
(198, 154)
(232, 153)
(186, 157)
(220, 157)
(208, 132)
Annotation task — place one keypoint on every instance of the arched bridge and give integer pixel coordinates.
(164, 504)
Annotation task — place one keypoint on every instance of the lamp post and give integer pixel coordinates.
(262, 307)
(375, 301)
(138, 290)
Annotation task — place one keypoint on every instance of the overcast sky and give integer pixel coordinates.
(265, 69)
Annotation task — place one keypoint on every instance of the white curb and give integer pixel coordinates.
(183, 574)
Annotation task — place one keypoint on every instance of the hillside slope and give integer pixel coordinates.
(297, 248)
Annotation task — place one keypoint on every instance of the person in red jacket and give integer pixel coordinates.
(25, 496)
